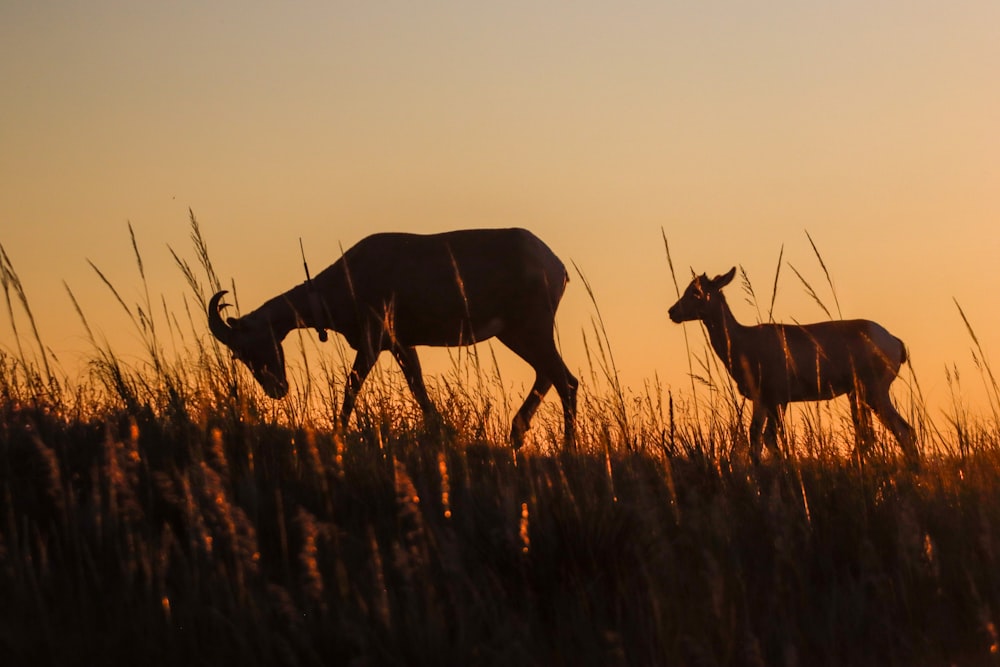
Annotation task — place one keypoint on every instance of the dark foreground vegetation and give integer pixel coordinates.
(136, 539)
(165, 513)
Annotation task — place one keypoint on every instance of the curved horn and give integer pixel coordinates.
(219, 329)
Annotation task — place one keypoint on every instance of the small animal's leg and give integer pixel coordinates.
(783, 447)
(773, 423)
(905, 434)
(757, 423)
(864, 436)
(861, 416)
(363, 363)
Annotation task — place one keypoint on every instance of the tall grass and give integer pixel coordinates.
(164, 512)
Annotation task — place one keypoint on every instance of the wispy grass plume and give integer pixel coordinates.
(982, 363)
(774, 288)
(677, 292)
(606, 361)
(10, 281)
(811, 292)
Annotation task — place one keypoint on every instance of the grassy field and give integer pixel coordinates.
(165, 512)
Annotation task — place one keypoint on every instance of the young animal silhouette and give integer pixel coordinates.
(396, 291)
(776, 364)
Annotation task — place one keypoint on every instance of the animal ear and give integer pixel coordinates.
(723, 280)
(233, 321)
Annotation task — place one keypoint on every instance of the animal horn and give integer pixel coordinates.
(219, 329)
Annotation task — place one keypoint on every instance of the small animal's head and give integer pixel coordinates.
(255, 346)
(699, 296)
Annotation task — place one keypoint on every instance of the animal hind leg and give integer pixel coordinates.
(539, 350)
(905, 434)
(522, 420)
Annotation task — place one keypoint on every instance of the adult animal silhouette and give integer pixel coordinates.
(395, 291)
(776, 364)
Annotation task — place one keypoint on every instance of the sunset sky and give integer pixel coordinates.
(734, 127)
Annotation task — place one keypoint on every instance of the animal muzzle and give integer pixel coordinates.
(675, 313)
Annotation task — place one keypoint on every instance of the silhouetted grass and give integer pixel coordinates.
(164, 512)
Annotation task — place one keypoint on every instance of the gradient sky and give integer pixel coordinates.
(733, 126)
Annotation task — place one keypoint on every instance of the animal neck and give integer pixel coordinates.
(724, 332)
(299, 307)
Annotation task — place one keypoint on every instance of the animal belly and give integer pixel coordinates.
(441, 334)
(487, 329)
(811, 388)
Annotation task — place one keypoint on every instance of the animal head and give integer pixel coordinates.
(254, 345)
(703, 291)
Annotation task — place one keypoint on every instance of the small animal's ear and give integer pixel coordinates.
(723, 280)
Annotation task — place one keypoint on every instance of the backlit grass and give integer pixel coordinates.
(165, 512)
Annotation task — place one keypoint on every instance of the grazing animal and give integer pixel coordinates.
(395, 291)
(776, 364)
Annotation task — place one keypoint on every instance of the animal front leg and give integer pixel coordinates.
(775, 428)
(757, 423)
(363, 363)
(764, 426)
(409, 363)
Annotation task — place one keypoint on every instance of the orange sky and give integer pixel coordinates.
(734, 127)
